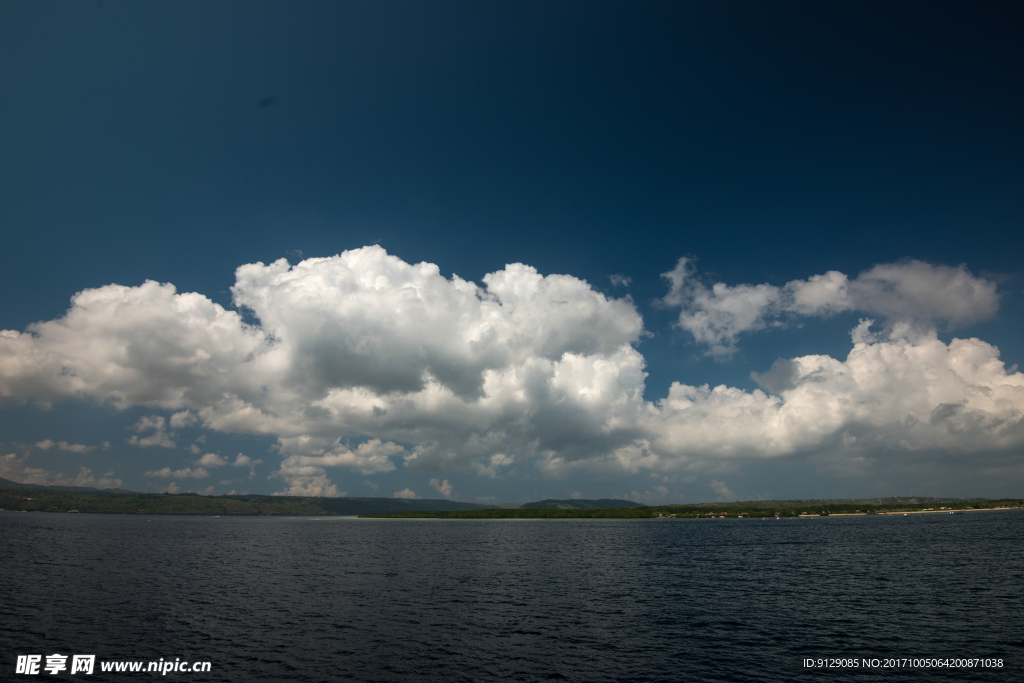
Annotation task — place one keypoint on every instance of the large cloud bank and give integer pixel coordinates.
(361, 360)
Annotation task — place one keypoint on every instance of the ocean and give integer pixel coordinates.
(336, 599)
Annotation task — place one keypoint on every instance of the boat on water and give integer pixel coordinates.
(956, 512)
(75, 511)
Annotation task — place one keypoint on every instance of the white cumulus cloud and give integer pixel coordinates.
(17, 469)
(184, 418)
(308, 456)
(722, 490)
(442, 487)
(158, 434)
(168, 473)
(47, 444)
(909, 393)
(911, 292)
(211, 460)
(145, 345)
(318, 485)
(524, 372)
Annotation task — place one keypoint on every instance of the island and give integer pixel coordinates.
(17, 497)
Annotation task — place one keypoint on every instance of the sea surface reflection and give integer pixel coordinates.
(299, 599)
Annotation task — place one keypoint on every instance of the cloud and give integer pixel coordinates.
(902, 394)
(47, 444)
(524, 373)
(185, 418)
(910, 292)
(145, 345)
(166, 472)
(909, 398)
(657, 496)
(914, 290)
(308, 456)
(722, 490)
(211, 460)
(406, 493)
(716, 316)
(488, 466)
(15, 468)
(318, 485)
(444, 488)
(357, 345)
(159, 436)
(380, 324)
(620, 280)
(243, 460)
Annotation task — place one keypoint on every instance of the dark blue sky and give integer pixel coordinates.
(770, 141)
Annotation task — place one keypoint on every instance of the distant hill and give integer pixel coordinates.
(35, 497)
(8, 484)
(355, 506)
(580, 504)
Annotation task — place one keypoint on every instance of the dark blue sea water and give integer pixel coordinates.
(301, 599)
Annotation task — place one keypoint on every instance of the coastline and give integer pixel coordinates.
(912, 512)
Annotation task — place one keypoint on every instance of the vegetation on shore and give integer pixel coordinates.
(772, 508)
(579, 504)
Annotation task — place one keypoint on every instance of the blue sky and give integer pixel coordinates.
(551, 164)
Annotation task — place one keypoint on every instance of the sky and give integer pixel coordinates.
(500, 252)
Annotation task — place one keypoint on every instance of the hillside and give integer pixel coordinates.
(35, 497)
(8, 484)
(14, 496)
